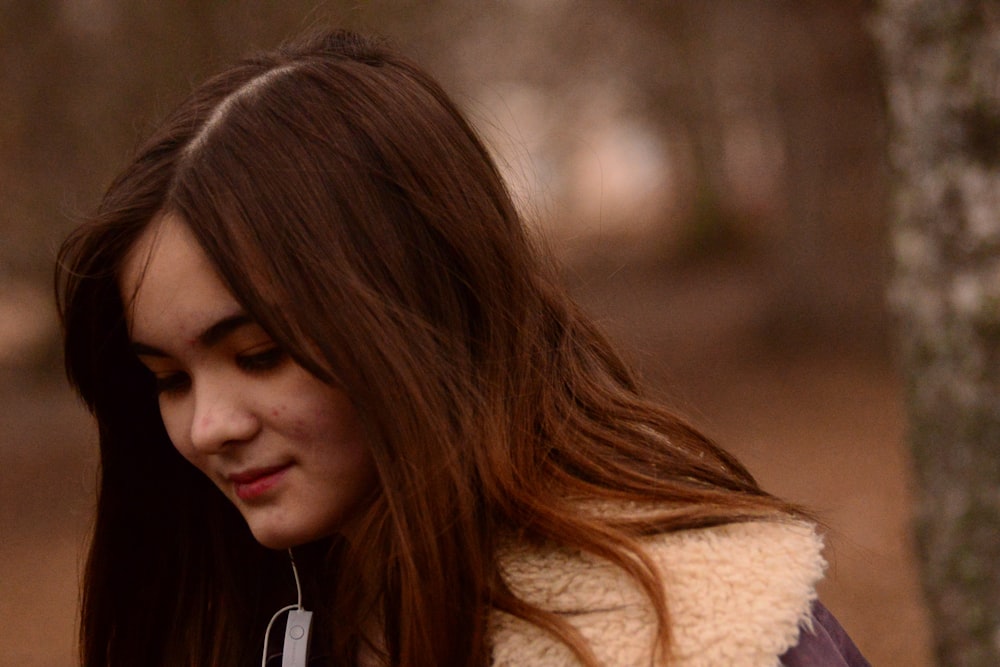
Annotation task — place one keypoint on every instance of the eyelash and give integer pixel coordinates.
(258, 362)
(171, 384)
(261, 361)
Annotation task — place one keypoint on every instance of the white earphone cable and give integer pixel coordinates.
(297, 605)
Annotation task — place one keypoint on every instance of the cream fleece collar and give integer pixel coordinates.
(737, 595)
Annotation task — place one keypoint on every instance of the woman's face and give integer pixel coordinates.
(284, 447)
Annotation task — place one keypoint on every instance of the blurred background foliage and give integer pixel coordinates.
(710, 173)
(668, 131)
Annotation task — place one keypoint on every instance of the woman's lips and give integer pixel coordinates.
(254, 483)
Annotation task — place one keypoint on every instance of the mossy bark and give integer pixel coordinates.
(942, 73)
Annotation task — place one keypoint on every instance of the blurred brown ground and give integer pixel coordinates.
(818, 419)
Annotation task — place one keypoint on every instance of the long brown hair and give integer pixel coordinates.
(354, 213)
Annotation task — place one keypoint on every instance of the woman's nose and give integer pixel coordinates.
(222, 416)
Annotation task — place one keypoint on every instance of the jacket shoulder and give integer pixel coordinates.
(736, 595)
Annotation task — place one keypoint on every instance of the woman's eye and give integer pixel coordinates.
(171, 383)
(261, 361)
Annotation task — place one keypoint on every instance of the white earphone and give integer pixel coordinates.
(295, 652)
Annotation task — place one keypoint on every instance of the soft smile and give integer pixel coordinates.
(251, 484)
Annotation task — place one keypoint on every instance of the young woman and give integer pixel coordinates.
(307, 317)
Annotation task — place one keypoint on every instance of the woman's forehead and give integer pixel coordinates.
(168, 282)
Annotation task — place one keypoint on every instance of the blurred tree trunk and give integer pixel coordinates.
(943, 80)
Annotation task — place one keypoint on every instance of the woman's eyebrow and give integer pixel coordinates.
(207, 338)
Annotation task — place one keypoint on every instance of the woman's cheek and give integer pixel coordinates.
(173, 419)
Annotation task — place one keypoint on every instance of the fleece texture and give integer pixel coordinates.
(737, 596)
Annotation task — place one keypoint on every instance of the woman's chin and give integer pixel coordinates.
(271, 538)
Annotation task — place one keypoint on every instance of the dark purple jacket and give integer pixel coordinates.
(826, 646)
